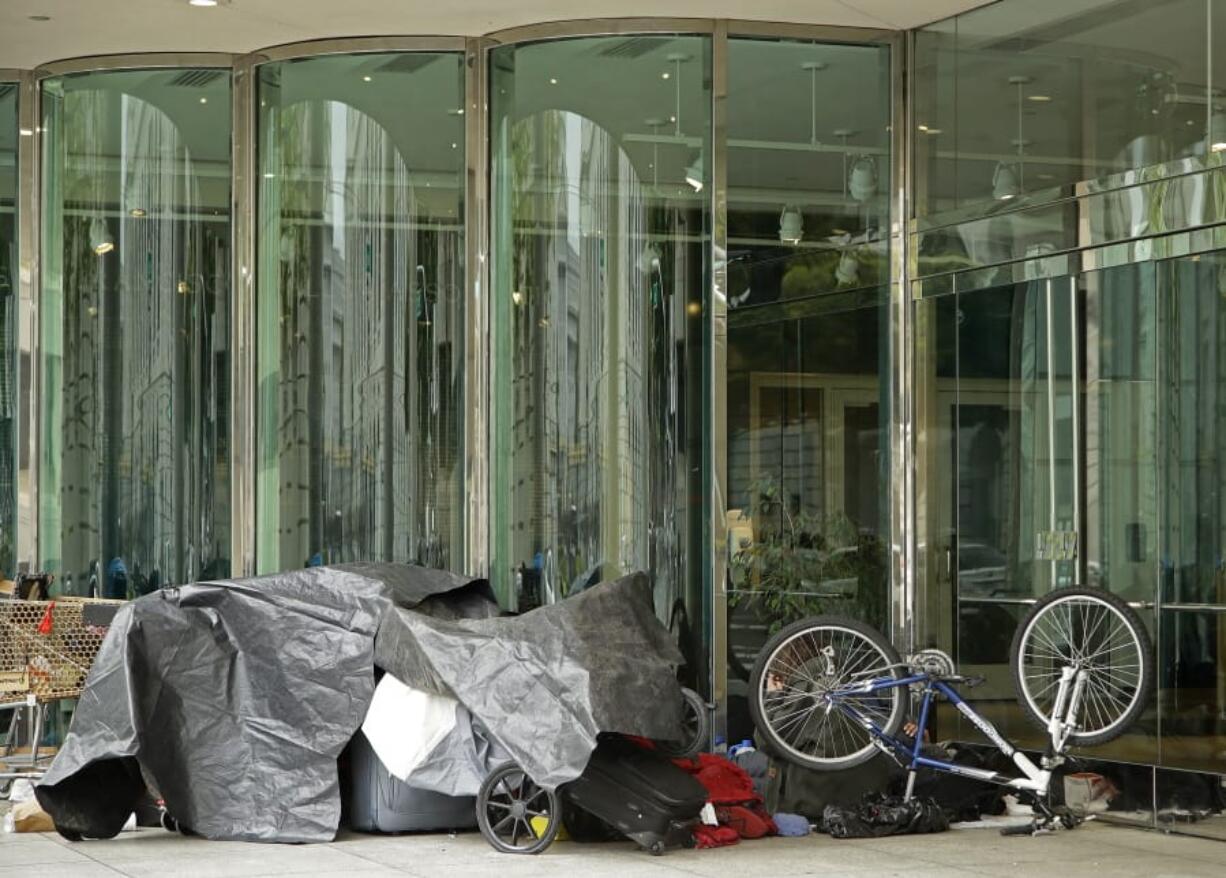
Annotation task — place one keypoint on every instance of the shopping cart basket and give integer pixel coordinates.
(46, 650)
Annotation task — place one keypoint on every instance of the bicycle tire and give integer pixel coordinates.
(1108, 605)
(812, 631)
(697, 727)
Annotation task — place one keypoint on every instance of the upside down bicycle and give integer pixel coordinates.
(829, 693)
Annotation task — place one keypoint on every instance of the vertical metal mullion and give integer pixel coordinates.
(29, 219)
(478, 371)
(243, 473)
(717, 328)
(904, 603)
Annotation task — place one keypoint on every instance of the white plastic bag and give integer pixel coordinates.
(22, 791)
(405, 724)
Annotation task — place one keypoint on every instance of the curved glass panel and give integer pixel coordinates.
(360, 310)
(134, 318)
(601, 231)
(8, 327)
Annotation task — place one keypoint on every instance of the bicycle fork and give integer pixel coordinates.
(1063, 719)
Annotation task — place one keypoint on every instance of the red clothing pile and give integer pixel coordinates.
(738, 808)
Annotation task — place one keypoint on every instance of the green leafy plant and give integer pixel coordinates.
(800, 564)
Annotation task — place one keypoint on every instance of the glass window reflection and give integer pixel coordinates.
(360, 310)
(134, 469)
(9, 138)
(601, 225)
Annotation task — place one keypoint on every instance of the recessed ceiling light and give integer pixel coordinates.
(665, 75)
(40, 18)
(1039, 99)
(204, 100)
(922, 127)
(455, 146)
(366, 79)
(553, 81)
(202, 2)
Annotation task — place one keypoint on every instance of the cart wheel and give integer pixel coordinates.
(168, 822)
(506, 805)
(68, 834)
(696, 725)
(656, 849)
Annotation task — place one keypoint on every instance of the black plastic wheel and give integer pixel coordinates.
(1093, 630)
(696, 724)
(69, 834)
(508, 803)
(790, 685)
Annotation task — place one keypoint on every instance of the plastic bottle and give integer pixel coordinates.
(721, 745)
(746, 746)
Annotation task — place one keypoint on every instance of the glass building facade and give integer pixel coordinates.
(909, 327)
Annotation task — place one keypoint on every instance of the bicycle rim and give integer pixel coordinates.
(793, 694)
(1088, 634)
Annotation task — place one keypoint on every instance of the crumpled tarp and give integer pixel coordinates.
(233, 699)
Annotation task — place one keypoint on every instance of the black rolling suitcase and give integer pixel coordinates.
(641, 794)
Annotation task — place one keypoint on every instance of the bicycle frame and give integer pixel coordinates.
(1034, 778)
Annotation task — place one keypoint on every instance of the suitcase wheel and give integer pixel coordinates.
(515, 814)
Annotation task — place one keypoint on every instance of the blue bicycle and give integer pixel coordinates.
(828, 692)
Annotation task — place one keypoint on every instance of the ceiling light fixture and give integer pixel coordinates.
(813, 67)
(1039, 99)
(677, 59)
(100, 239)
(367, 78)
(791, 225)
(694, 173)
(862, 183)
(136, 212)
(203, 3)
(1004, 182)
(932, 131)
(553, 80)
(204, 100)
(665, 75)
(27, 132)
(1009, 180)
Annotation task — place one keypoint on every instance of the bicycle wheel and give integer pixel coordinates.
(695, 726)
(515, 814)
(791, 685)
(1092, 630)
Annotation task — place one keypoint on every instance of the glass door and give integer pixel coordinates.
(1037, 468)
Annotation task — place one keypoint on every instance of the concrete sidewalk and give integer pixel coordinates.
(1095, 850)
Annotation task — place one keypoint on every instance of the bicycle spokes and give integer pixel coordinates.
(1089, 644)
(814, 694)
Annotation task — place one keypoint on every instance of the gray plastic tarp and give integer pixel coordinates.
(234, 699)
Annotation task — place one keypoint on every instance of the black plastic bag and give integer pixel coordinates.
(879, 815)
